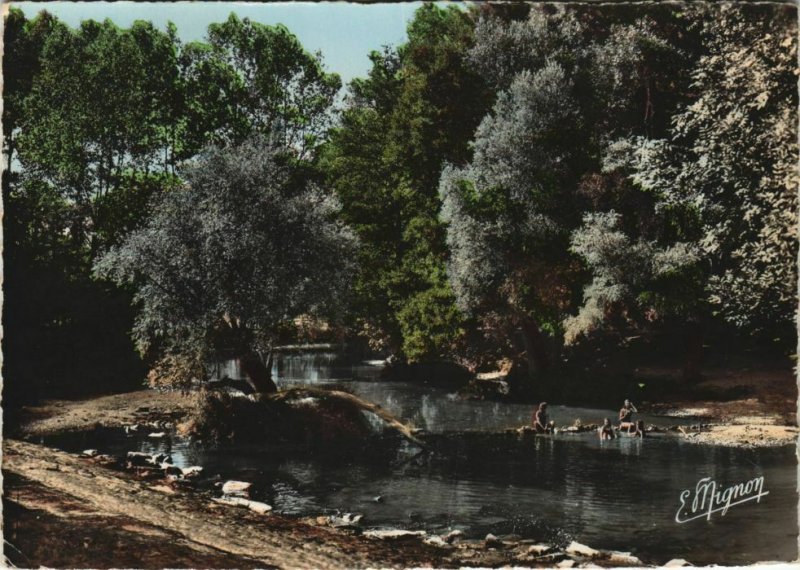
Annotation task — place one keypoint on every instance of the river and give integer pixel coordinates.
(621, 494)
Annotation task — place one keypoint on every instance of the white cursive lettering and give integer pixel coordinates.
(707, 498)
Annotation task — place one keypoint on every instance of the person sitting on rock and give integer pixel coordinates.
(606, 430)
(540, 422)
(626, 416)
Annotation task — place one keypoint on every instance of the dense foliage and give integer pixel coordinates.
(511, 180)
(415, 111)
(227, 257)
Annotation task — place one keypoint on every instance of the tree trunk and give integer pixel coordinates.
(692, 366)
(536, 349)
(258, 374)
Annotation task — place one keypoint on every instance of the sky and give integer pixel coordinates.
(344, 32)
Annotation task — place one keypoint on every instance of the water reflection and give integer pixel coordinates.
(620, 494)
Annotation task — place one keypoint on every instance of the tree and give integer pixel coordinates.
(566, 85)
(24, 40)
(509, 211)
(720, 188)
(250, 78)
(415, 110)
(225, 259)
(99, 106)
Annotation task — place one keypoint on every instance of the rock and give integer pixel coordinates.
(237, 488)
(259, 507)
(157, 435)
(676, 563)
(89, 453)
(255, 506)
(347, 519)
(104, 459)
(232, 501)
(393, 533)
(133, 428)
(453, 536)
(193, 471)
(566, 564)
(578, 549)
(491, 541)
(437, 541)
(624, 558)
(539, 549)
(378, 499)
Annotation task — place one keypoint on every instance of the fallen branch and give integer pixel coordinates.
(403, 429)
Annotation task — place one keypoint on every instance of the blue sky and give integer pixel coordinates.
(345, 33)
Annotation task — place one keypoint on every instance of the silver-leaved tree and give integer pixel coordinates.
(242, 247)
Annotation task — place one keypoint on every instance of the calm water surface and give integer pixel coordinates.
(621, 494)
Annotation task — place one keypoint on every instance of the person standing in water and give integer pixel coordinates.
(540, 421)
(626, 416)
(606, 430)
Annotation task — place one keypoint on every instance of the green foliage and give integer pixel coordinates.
(723, 184)
(250, 78)
(97, 121)
(416, 110)
(225, 259)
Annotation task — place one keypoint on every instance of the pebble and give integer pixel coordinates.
(453, 536)
(89, 453)
(624, 558)
(491, 541)
(437, 541)
(676, 563)
(255, 506)
(239, 488)
(539, 549)
(576, 548)
(393, 533)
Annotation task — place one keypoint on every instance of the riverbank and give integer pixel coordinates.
(64, 511)
(742, 408)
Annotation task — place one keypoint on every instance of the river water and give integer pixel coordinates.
(621, 494)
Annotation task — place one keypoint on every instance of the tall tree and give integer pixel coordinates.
(415, 111)
(565, 86)
(250, 78)
(719, 189)
(722, 185)
(227, 258)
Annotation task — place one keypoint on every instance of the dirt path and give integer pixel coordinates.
(207, 532)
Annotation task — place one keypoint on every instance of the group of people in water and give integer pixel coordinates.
(626, 423)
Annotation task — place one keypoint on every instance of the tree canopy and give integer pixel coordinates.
(230, 255)
(514, 181)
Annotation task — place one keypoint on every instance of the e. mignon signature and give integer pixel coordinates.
(708, 498)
